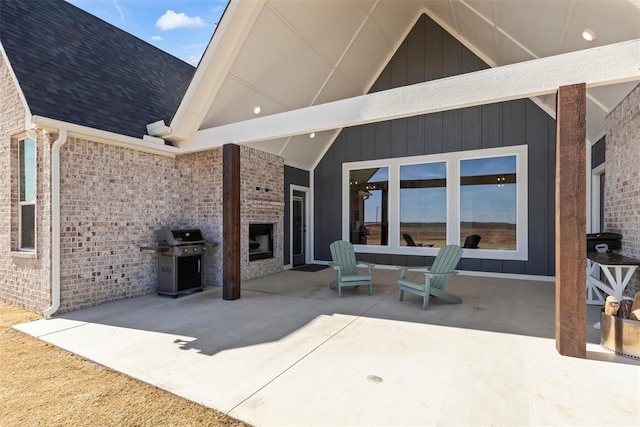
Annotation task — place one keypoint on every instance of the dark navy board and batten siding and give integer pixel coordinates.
(429, 53)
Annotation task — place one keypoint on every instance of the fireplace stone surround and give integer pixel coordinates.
(261, 202)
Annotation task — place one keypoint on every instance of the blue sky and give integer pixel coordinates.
(478, 203)
(182, 28)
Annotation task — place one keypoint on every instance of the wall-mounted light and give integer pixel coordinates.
(588, 35)
(257, 109)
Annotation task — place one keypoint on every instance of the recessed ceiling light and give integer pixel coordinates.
(312, 135)
(257, 109)
(588, 35)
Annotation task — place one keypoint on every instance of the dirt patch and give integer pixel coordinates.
(43, 385)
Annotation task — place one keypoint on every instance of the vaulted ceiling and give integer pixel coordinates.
(292, 54)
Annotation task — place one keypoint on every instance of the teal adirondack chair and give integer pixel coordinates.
(346, 266)
(435, 277)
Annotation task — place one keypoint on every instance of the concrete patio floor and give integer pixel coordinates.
(289, 352)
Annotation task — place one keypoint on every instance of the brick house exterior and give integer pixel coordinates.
(113, 197)
(117, 187)
(622, 192)
(24, 277)
(112, 201)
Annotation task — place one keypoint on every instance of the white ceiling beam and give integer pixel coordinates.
(605, 65)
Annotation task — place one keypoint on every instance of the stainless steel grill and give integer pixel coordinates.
(180, 258)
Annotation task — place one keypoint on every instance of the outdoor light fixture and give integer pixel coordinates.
(257, 109)
(588, 35)
(312, 135)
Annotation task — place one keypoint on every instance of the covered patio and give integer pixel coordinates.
(289, 352)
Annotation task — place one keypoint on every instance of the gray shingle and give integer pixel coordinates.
(77, 68)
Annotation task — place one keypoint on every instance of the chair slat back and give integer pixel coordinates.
(445, 262)
(344, 255)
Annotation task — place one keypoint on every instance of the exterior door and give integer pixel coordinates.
(602, 180)
(298, 228)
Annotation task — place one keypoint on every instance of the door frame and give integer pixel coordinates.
(307, 221)
(596, 174)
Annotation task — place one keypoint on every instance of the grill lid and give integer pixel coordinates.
(175, 237)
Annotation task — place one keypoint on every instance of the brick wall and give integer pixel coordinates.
(112, 202)
(200, 203)
(261, 202)
(622, 185)
(24, 277)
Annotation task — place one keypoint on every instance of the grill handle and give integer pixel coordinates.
(198, 266)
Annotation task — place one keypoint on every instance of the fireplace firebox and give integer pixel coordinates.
(260, 241)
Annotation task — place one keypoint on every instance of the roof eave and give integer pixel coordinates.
(105, 137)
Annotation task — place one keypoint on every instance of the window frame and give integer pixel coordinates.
(22, 203)
(452, 161)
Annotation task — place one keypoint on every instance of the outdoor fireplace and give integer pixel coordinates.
(260, 241)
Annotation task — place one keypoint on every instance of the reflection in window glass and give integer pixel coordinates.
(423, 205)
(28, 226)
(27, 156)
(27, 192)
(368, 206)
(488, 203)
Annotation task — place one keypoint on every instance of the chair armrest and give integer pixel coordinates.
(404, 270)
(366, 264)
(336, 267)
(452, 273)
(418, 269)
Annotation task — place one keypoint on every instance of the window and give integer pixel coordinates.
(423, 204)
(415, 205)
(488, 203)
(27, 193)
(368, 206)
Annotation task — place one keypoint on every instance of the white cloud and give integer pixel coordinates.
(119, 9)
(195, 59)
(157, 38)
(171, 20)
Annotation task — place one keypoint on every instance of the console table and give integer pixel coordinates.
(617, 269)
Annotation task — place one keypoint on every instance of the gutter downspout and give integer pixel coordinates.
(55, 223)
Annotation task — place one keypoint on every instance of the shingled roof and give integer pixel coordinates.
(74, 67)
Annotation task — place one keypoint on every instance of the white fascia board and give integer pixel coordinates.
(104, 137)
(228, 38)
(610, 64)
(14, 78)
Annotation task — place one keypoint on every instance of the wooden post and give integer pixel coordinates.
(231, 222)
(571, 251)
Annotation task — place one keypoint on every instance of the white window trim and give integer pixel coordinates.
(21, 203)
(596, 176)
(453, 202)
